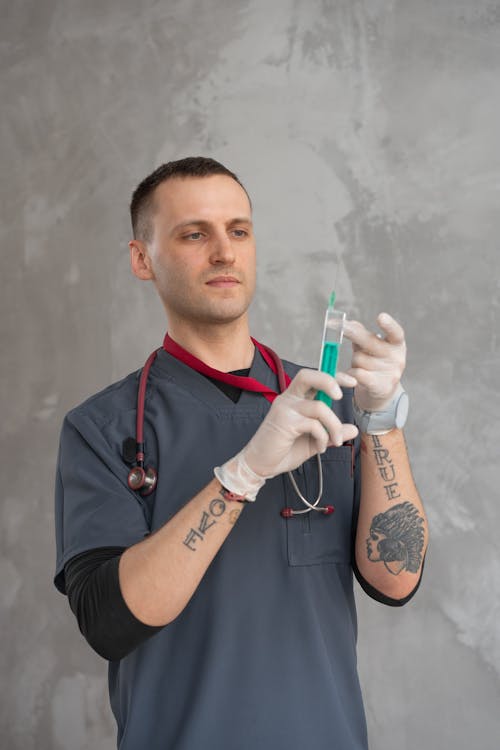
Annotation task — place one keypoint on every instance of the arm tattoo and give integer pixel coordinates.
(385, 468)
(397, 539)
(234, 515)
(216, 508)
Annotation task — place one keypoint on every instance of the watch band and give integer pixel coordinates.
(393, 416)
(232, 496)
(238, 480)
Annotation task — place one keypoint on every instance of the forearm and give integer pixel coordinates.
(392, 529)
(159, 575)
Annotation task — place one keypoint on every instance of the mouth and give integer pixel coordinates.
(223, 282)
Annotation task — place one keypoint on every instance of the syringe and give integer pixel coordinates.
(333, 331)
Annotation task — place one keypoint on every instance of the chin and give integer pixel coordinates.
(207, 312)
(225, 313)
(221, 319)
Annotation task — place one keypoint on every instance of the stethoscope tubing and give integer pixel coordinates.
(141, 401)
(282, 384)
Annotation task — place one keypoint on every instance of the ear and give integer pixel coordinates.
(140, 261)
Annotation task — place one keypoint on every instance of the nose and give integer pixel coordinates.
(221, 250)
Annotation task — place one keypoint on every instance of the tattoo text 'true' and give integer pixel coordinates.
(385, 468)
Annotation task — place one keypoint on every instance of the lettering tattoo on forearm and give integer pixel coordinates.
(216, 509)
(385, 468)
(397, 539)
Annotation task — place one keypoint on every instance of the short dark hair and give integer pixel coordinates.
(142, 203)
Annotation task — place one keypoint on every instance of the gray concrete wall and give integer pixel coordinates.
(367, 133)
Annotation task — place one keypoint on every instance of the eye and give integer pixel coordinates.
(193, 236)
(240, 233)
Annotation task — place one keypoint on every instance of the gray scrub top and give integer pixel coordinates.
(263, 656)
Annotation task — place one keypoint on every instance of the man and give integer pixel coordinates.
(227, 615)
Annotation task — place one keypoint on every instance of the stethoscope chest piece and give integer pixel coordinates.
(143, 480)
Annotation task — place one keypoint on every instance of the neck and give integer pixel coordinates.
(224, 347)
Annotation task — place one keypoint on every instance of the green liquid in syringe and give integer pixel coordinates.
(328, 364)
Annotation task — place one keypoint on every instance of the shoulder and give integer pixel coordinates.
(106, 404)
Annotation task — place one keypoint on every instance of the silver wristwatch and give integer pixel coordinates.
(381, 422)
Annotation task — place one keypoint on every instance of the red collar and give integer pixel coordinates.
(245, 383)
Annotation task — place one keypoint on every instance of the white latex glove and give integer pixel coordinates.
(378, 361)
(295, 428)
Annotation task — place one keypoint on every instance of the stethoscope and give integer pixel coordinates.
(144, 479)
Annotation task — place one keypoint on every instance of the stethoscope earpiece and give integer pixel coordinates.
(326, 510)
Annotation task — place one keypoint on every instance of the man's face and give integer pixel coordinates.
(203, 250)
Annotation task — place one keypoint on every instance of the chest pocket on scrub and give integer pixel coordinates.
(314, 538)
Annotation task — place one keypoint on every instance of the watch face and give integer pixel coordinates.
(380, 422)
(402, 410)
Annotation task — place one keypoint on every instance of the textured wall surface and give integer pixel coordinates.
(367, 133)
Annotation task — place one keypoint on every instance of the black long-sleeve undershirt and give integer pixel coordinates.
(94, 595)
